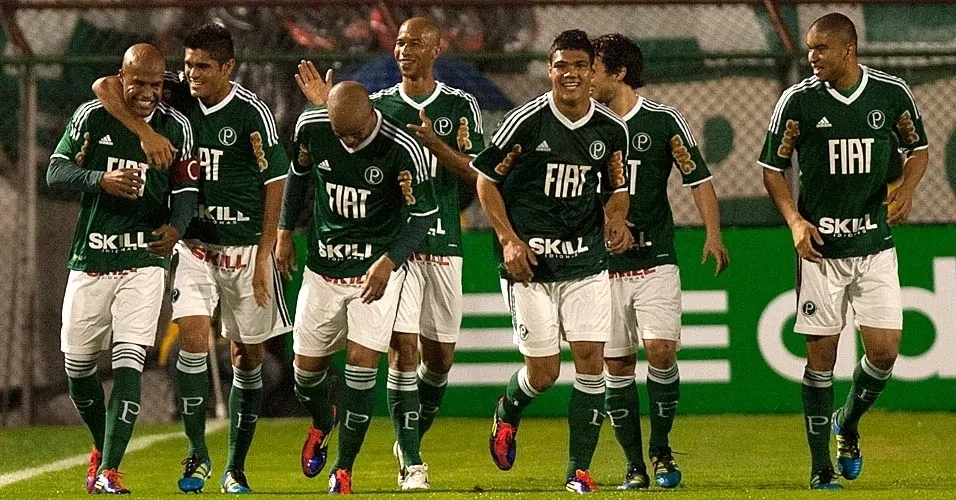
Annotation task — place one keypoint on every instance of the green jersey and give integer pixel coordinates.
(239, 151)
(660, 139)
(844, 146)
(111, 232)
(456, 120)
(362, 195)
(549, 171)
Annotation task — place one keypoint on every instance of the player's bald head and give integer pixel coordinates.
(145, 57)
(836, 24)
(350, 112)
(422, 27)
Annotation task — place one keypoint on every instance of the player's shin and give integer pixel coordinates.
(663, 394)
(431, 390)
(518, 396)
(124, 405)
(86, 391)
(313, 390)
(245, 402)
(192, 392)
(868, 382)
(355, 413)
(817, 407)
(585, 416)
(622, 404)
(403, 407)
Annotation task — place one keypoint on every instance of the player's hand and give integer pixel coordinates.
(166, 237)
(260, 279)
(122, 183)
(519, 259)
(900, 201)
(315, 89)
(376, 279)
(805, 236)
(424, 132)
(617, 236)
(159, 151)
(714, 247)
(285, 254)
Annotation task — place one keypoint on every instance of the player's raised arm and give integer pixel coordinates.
(455, 160)
(159, 151)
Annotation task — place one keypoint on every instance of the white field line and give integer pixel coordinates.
(79, 460)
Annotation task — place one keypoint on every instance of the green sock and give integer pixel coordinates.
(518, 396)
(403, 407)
(585, 416)
(663, 394)
(431, 390)
(358, 397)
(124, 407)
(245, 401)
(817, 407)
(868, 383)
(623, 408)
(313, 389)
(86, 391)
(192, 393)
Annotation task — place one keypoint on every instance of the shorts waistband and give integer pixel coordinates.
(636, 273)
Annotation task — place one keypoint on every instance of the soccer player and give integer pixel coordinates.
(539, 183)
(370, 175)
(429, 311)
(226, 255)
(126, 228)
(840, 122)
(645, 280)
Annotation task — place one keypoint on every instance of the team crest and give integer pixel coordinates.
(597, 150)
(443, 126)
(875, 119)
(808, 308)
(227, 136)
(641, 142)
(175, 295)
(522, 332)
(373, 175)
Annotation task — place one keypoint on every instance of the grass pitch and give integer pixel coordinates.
(907, 455)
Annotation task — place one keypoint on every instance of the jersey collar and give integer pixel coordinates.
(564, 119)
(420, 105)
(637, 107)
(221, 104)
(370, 138)
(859, 90)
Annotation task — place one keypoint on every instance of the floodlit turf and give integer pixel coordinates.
(734, 456)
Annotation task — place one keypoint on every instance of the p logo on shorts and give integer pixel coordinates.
(175, 295)
(522, 332)
(808, 308)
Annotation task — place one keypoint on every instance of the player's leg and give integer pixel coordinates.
(402, 386)
(135, 312)
(85, 330)
(875, 299)
(621, 399)
(245, 403)
(821, 312)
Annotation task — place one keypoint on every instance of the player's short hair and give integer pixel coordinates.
(214, 39)
(572, 40)
(835, 22)
(619, 52)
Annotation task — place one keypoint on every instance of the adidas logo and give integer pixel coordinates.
(325, 165)
(106, 140)
(543, 146)
(823, 123)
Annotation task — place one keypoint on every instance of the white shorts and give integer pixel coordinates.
(869, 284)
(330, 312)
(646, 304)
(431, 298)
(543, 314)
(207, 274)
(119, 306)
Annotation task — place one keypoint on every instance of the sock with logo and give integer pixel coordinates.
(868, 383)
(358, 397)
(623, 408)
(585, 416)
(124, 405)
(817, 408)
(518, 396)
(245, 401)
(313, 390)
(404, 408)
(431, 390)
(192, 394)
(86, 391)
(663, 394)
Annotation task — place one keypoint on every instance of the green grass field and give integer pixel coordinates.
(908, 455)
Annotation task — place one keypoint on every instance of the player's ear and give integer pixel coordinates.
(621, 73)
(229, 66)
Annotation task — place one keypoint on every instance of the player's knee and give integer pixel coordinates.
(247, 356)
(543, 377)
(883, 359)
(623, 366)
(403, 352)
(438, 361)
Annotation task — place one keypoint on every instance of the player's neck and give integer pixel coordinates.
(217, 97)
(416, 87)
(573, 111)
(850, 78)
(624, 100)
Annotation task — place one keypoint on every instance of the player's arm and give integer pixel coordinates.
(456, 160)
(705, 197)
(159, 151)
(617, 233)
(804, 233)
(909, 128)
(293, 198)
(185, 196)
(518, 256)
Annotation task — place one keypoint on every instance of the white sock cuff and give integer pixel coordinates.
(524, 384)
(431, 378)
(875, 371)
(402, 381)
(247, 379)
(360, 378)
(191, 362)
(663, 376)
(590, 384)
(619, 381)
(80, 365)
(819, 379)
(126, 355)
(305, 378)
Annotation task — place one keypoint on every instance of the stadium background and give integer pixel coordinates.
(722, 63)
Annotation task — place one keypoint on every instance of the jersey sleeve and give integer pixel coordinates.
(413, 180)
(615, 177)
(686, 152)
(176, 91)
(75, 142)
(783, 134)
(184, 173)
(470, 137)
(909, 122)
(510, 140)
(305, 127)
(270, 155)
